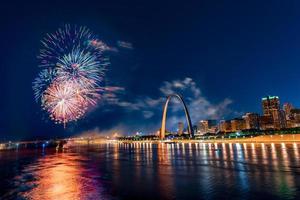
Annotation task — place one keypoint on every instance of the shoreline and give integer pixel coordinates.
(287, 138)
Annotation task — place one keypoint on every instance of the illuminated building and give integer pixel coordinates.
(225, 126)
(180, 128)
(251, 121)
(272, 112)
(292, 115)
(294, 118)
(195, 129)
(266, 122)
(287, 107)
(279, 119)
(203, 127)
(207, 126)
(270, 103)
(238, 124)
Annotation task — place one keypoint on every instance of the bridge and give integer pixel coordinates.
(51, 143)
(162, 134)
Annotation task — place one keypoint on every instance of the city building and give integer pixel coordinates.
(203, 127)
(270, 103)
(273, 118)
(287, 107)
(180, 128)
(238, 124)
(195, 129)
(272, 111)
(207, 126)
(266, 122)
(225, 126)
(294, 118)
(292, 115)
(251, 121)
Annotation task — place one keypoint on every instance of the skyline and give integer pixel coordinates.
(226, 57)
(150, 99)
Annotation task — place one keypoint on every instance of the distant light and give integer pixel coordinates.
(270, 97)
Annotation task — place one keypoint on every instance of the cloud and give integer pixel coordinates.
(151, 108)
(125, 45)
(148, 114)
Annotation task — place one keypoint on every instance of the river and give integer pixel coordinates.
(153, 171)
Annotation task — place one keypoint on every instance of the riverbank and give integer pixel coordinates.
(287, 138)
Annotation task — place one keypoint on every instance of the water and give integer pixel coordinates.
(152, 171)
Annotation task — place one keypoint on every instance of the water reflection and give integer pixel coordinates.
(160, 171)
(59, 176)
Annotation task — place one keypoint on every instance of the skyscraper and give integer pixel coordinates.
(207, 126)
(269, 104)
(203, 126)
(288, 107)
(271, 109)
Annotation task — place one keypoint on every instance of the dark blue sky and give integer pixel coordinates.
(237, 50)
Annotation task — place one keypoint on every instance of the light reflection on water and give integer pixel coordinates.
(154, 171)
(58, 176)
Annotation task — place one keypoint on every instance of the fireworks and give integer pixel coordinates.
(41, 83)
(65, 40)
(64, 101)
(80, 66)
(73, 67)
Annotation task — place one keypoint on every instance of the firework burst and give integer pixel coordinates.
(64, 101)
(65, 40)
(42, 81)
(73, 70)
(80, 66)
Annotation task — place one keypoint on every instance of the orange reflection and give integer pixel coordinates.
(60, 177)
(296, 153)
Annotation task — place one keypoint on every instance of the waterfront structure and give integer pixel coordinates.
(293, 120)
(269, 104)
(212, 126)
(273, 118)
(288, 107)
(272, 112)
(203, 127)
(266, 122)
(225, 126)
(282, 119)
(292, 115)
(238, 124)
(187, 115)
(207, 126)
(180, 128)
(251, 121)
(195, 129)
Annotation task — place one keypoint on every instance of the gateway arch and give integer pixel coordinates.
(187, 116)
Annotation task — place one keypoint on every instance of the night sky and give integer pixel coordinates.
(221, 56)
